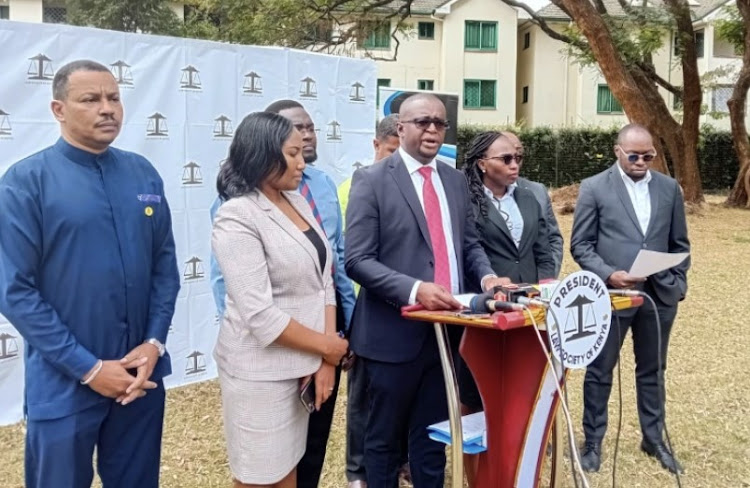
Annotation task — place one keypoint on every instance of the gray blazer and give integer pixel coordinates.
(553, 230)
(272, 274)
(606, 236)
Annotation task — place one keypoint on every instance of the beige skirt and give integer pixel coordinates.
(265, 426)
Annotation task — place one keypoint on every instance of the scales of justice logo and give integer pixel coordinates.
(40, 68)
(5, 128)
(8, 346)
(191, 174)
(578, 319)
(195, 363)
(223, 127)
(308, 88)
(193, 270)
(357, 93)
(157, 126)
(253, 84)
(334, 131)
(190, 79)
(121, 71)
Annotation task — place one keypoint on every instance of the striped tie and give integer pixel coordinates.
(304, 189)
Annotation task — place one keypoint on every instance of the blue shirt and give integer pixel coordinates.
(87, 268)
(324, 192)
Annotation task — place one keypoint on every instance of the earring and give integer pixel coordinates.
(484, 170)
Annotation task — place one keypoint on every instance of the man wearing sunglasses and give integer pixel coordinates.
(620, 211)
(410, 239)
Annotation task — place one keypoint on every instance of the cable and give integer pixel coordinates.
(573, 452)
(619, 395)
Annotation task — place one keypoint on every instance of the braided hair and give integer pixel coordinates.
(476, 151)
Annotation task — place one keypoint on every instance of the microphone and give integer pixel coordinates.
(486, 303)
(625, 293)
(532, 301)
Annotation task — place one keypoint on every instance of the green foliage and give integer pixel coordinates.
(146, 16)
(732, 29)
(560, 157)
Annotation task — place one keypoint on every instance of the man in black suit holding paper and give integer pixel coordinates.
(620, 211)
(410, 239)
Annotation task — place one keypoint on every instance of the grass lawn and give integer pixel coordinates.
(708, 387)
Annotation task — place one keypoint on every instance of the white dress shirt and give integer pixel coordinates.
(508, 209)
(639, 197)
(413, 166)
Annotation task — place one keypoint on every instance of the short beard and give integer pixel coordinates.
(311, 158)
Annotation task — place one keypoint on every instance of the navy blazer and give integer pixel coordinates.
(388, 249)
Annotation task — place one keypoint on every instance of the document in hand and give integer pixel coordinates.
(651, 262)
(474, 428)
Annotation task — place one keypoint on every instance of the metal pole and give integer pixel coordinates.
(454, 413)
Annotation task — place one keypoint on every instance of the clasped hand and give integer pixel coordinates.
(114, 380)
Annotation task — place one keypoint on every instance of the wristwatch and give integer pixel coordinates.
(155, 342)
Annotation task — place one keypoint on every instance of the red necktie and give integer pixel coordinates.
(435, 225)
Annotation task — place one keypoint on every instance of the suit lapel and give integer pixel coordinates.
(403, 181)
(653, 193)
(622, 192)
(527, 215)
(290, 228)
(452, 207)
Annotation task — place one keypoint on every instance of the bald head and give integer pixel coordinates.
(421, 126)
(632, 131)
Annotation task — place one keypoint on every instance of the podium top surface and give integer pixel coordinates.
(499, 320)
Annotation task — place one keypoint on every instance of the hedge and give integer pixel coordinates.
(560, 157)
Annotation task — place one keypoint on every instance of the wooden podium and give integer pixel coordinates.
(517, 388)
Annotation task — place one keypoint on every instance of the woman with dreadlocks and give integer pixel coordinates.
(512, 230)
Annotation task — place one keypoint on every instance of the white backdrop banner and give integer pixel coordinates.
(182, 100)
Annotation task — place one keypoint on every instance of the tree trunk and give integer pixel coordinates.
(640, 97)
(738, 197)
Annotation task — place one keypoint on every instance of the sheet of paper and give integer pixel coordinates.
(650, 262)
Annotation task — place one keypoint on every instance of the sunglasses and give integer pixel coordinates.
(425, 122)
(634, 157)
(508, 158)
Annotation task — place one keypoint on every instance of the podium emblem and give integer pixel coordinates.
(579, 319)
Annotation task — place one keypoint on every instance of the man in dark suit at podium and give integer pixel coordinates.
(620, 211)
(410, 239)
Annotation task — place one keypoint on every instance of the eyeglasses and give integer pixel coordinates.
(508, 158)
(425, 122)
(634, 157)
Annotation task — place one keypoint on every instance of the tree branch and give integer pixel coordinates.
(649, 71)
(544, 26)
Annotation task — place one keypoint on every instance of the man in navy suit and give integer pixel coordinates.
(411, 238)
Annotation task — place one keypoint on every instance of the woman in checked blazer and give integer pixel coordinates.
(279, 326)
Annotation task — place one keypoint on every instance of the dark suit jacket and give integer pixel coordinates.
(606, 236)
(532, 260)
(553, 229)
(388, 249)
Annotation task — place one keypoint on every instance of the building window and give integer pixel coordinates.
(606, 103)
(381, 82)
(719, 98)
(379, 36)
(480, 36)
(700, 37)
(4, 13)
(54, 15)
(525, 96)
(479, 93)
(426, 30)
(527, 40)
(426, 85)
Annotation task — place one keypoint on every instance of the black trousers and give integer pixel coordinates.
(649, 379)
(319, 428)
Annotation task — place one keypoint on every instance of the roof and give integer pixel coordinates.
(417, 6)
(700, 8)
